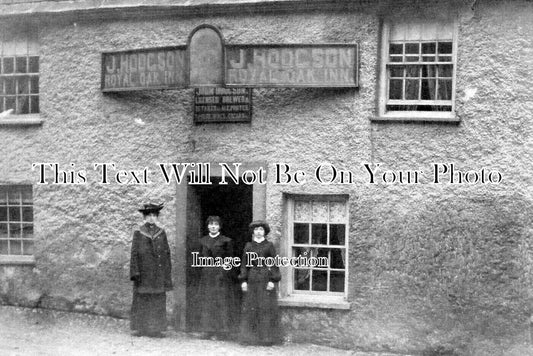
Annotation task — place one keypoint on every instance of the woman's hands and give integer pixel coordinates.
(244, 286)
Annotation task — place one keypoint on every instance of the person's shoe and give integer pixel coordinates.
(222, 336)
(156, 334)
(206, 336)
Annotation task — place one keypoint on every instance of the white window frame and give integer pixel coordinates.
(383, 89)
(19, 41)
(9, 190)
(314, 299)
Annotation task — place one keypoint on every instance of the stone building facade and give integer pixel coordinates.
(416, 183)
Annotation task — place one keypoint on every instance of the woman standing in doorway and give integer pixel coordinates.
(150, 271)
(260, 316)
(216, 284)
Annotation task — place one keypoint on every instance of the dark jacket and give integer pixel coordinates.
(216, 287)
(150, 265)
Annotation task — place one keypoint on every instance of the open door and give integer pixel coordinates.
(234, 204)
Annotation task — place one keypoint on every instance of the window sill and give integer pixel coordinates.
(314, 301)
(16, 260)
(22, 120)
(418, 116)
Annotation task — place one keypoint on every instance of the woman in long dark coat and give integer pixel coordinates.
(216, 288)
(260, 324)
(150, 271)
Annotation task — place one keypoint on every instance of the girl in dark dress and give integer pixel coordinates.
(216, 288)
(150, 269)
(260, 323)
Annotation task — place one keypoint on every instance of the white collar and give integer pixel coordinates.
(259, 240)
(213, 236)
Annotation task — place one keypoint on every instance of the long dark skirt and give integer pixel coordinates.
(217, 298)
(260, 323)
(148, 312)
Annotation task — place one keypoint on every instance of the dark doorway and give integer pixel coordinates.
(234, 204)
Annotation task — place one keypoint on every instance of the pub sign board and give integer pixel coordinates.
(154, 68)
(208, 61)
(292, 65)
(216, 104)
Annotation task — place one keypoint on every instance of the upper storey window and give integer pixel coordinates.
(418, 70)
(19, 71)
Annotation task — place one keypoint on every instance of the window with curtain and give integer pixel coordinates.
(19, 70)
(418, 67)
(16, 220)
(318, 228)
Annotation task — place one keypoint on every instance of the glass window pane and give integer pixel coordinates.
(302, 211)
(9, 85)
(337, 259)
(34, 65)
(27, 213)
(21, 65)
(21, 43)
(411, 48)
(15, 247)
(396, 48)
(3, 197)
(302, 279)
(429, 48)
(395, 89)
(34, 101)
(336, 281)
(429, 71)
(27, 231)
(337, 233)
(23, 86)
(428, 89)
(320, 280)
(412, 71)
(3, 230)
(301, 252)
(4, 247)
(319, 234)
(27, 247)
(14, 213)
(396, 59)
(23, 105)
(9, 65)
(445, 90)
(34, 85)
(301, 233)
(396, 72)
(412, 59)
(15, 231)
(445, 71)
(337, 212)
(428, 58)
(445, 59)
(445, 47)
(3, 213)
(321, 252)
(26, 194)
(10, 103)
(411, 89)
(13, 196)
(320, 211)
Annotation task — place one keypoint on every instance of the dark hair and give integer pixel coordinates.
(259, 223)
(214, 218)
(146, 213)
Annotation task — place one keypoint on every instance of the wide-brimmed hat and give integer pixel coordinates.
(151, 208)
(261, 223)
